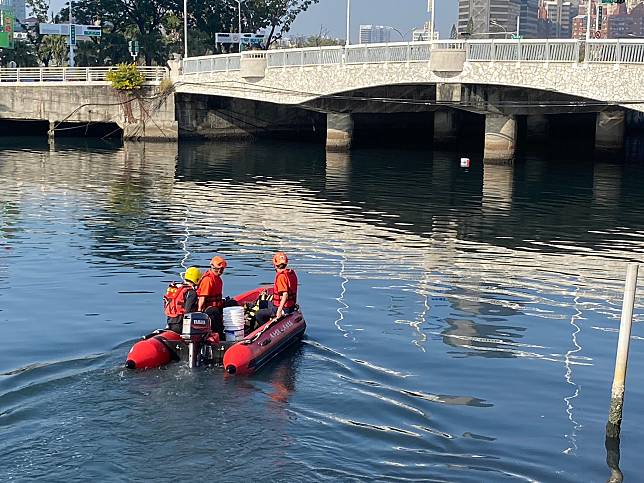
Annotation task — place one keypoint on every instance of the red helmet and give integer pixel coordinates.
(218, 262)
(280, 258)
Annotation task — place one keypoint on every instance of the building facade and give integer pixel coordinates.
(374, 34)
(488, 18)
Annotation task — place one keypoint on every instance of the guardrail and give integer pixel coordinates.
(73, 74)
(626, 51)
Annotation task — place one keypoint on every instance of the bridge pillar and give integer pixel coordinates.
(339, 131)
(445, 127)
(609, 130)
(537, 128)
(500, 138)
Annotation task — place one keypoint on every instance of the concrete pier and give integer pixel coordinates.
(339, 132)
(500, 138)
(609, 130)
(445, 128)
(537, 128)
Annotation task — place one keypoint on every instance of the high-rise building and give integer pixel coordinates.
(374, 34)
(529, 19)
(488, 18)
(625, 25)
(559, 15)
(19, 10)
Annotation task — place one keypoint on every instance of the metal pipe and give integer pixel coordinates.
(619, 379)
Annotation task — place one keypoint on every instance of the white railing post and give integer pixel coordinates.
(519, 53)
(408, 53)
(492, 51)
(18, 74)
(618, 52)
(40, 72)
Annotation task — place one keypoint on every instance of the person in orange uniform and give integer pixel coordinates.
(284, 291)
(210, 294)
(180, 299)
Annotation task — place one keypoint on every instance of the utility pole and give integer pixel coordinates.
(72, 36)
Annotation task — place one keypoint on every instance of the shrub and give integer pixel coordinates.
(126, 77)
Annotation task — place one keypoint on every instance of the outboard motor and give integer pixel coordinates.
(196, 327)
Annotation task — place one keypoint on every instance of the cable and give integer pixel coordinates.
(317, 96)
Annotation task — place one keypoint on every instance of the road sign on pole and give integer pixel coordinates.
(7, 20)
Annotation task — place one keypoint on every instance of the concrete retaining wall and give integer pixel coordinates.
(149, 115)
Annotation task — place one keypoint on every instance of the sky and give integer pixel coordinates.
(404, 15)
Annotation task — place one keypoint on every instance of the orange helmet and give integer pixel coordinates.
(218, 262)
(280, 258)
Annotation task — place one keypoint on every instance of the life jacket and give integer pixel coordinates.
(213, 300)
(291, 283)
(175, 298)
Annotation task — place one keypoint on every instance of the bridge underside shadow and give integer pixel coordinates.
(499, 117)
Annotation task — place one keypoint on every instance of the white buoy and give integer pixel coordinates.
(465, 162)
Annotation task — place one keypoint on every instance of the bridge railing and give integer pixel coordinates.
(73, 74)
(484, 50)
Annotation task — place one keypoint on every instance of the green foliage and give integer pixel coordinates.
(276, 16)
(126, 77)
(54, 49)
(316, 41)
(23, 54)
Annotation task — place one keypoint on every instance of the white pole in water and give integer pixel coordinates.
(617, 392)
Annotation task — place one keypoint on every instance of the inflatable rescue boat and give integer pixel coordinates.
(199, 346)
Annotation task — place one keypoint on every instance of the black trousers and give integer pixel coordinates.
(267, 313)
(217, 316)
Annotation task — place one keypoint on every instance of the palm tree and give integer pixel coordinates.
(54, 48)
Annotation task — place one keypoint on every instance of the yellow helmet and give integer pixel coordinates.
(193, 274)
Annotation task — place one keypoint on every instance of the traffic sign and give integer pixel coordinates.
(517, 37)
(234, 38)
(6, 29)
(63, 29)
(72, 34)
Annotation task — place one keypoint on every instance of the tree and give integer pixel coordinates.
(141, 20)
(454, 33)
(54, 48)
(277, 16)
(23, 54)
(470, 26)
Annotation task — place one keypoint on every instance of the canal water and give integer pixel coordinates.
(461, 322)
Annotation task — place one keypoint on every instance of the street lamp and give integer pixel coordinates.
(497, 24)
(239, 24)
(430, 7)
(346, 43)
(399, 33)
(185, 28)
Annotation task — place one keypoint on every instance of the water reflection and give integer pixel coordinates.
(420, 280)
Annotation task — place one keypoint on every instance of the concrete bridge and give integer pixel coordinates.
(501, 80)
(332, 90)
